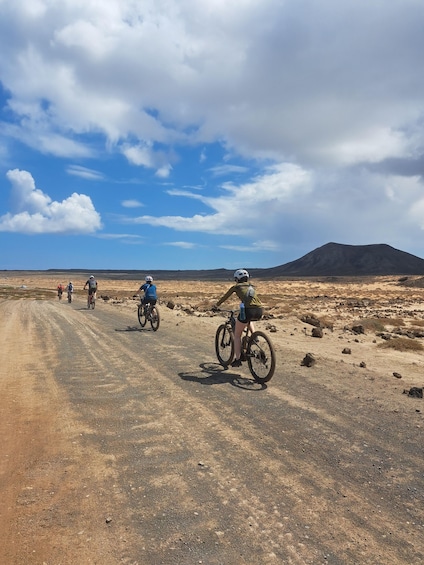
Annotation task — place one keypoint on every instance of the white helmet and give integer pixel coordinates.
(241, 274)
(91, 276)
(149, 278)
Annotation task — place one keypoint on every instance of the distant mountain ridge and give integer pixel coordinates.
(332, 259)
(336, 259)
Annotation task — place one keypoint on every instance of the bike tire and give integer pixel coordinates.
(224, 344)
(261, 357)
(154, 318)
(141, 316)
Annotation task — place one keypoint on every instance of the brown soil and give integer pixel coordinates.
(126, 446)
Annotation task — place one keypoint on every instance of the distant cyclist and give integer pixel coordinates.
(92, 288)
(70, 290)
(59, 291)
(251, 307)
(149, 289)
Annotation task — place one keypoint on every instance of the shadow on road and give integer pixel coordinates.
(215, 374)
(130, 329)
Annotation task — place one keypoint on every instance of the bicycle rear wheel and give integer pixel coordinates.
(224, 344)
(154, 318)
(141, 315)
(260, 357)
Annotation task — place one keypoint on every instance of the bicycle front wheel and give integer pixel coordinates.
(260, 357)
(142, 315)
(224, 344)
(154, 318)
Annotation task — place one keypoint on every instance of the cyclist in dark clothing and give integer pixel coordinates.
(92, 288)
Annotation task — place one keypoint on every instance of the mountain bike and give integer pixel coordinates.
(149, 313)
(69, 296)
(256, 349)
(91, 300)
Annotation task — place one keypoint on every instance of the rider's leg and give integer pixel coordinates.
(237, 338)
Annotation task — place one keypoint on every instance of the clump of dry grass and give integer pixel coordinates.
(402, 344)
(10, 293)
(398, 322)
(370, 324)
(320, 321)
(326, 322)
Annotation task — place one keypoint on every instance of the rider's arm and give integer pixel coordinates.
(226, 295)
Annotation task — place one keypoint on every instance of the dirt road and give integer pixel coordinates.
(125, 446)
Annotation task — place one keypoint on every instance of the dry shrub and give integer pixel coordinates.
(322, 321)
(417, 323)
(394, 322)
(326, 322)
(371, 324)
(402, 344)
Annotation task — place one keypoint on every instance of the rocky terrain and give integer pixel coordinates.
(127, 446)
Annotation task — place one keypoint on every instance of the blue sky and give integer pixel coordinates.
(164, 134)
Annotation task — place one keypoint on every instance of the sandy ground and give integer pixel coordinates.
(114, 451)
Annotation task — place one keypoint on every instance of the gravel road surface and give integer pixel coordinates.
(126, 446)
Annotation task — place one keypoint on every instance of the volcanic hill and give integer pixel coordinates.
(335, 259)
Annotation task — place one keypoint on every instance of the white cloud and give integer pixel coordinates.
(164, 171)
(331, 83)
(326, 92)
(84, 172)
(242, 209)
(45, 141)
(131, 204)
(226, 169)
(255, 247)
(144, 155)
(36, 213)
(113, 236)
(289, 204)
(183, 244)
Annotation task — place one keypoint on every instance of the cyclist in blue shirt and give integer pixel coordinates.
(149, 289)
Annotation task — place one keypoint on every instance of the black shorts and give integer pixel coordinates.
(151, 301)
(253, 314)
